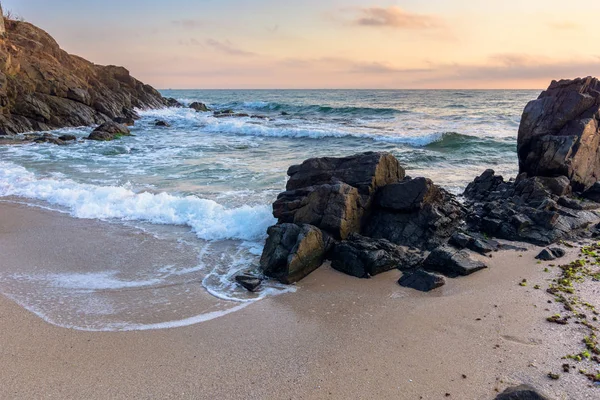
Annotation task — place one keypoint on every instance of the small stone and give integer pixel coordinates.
(249, 282)
(161, 123)
(545, 255)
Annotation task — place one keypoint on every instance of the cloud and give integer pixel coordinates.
(228, 48)
(188, 23)
(395, 17)
(564, 26)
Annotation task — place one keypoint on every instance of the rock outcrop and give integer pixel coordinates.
(364, 194)
(535, 210)
(42, 87)
(560, 133)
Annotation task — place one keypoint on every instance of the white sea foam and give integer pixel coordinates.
(208, 219)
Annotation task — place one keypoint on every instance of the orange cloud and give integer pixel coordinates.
(564, 26)
(396, 17)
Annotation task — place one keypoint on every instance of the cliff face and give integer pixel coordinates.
(42, 87)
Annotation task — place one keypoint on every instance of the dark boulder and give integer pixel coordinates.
(545, 255)
(522, 392)
(560, 133)
(293, 251)
(67, 138)
(127, 121)
(171, 102)
(336, 209)
(249, 282)
(417, 213)
(109, 131)
(162, 123)
(452, 262)
(366, 172)
(558, 252)
(199, 107)
(422, 280)
(363, 257)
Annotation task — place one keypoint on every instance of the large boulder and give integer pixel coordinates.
(334, 208)
(109, 131)
(336, 194)
(366, 172)
(451, 262)
(293, 251)
(414, 212)
(560, 133)
(363, 257)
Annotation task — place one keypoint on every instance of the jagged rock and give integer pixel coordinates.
(171, 102)
(67, 138)
(366, 172)
(162, 123)
(363, 257)
(545, 255)
(334, 208)
(522, 392)
(48, 138)
(127, 121)
(452, 262)
(109, 131)
(464, 241)
(422, 280)
(249, 282)
(293, 251)
(560, 133)
(525, 209)
(44, 88)
(421, 216)
(199, 107)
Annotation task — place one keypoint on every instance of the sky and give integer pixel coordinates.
(367, 44)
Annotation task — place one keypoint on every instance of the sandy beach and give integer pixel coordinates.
(336, 337)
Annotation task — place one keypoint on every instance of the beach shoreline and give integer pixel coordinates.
(336, 337)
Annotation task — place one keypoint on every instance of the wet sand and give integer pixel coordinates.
(336, 337)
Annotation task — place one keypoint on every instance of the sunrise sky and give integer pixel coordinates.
(329, 43)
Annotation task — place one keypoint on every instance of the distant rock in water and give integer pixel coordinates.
(42, 87)
(560, 133)
(199, 107)
(109, 131)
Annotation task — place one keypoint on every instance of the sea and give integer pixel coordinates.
(209, 183)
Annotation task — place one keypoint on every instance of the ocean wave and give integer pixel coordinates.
(208, 219)
(346, 111)
(457, 141)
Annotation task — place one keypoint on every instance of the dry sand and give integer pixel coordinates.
(337, 337)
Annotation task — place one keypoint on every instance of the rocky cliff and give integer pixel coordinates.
(560, 133)
(42, 87)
